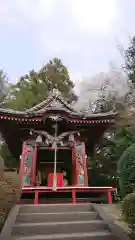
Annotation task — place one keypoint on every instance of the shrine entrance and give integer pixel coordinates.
(45, 167)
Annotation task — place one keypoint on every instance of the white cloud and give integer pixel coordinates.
(80, 32)
(18, 13)
(85, 15)
(94, 14)
(73, 21)
(34, 10)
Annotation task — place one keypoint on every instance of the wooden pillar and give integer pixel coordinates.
(84, 164)
(21, 171)
(109, 197)
(36, 197)
(73, 196)
(34, 165)
(74, 170)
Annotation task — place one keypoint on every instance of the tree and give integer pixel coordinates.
(57, 77)
(103, 92)
(102, 167)
(129, 66)
(130, 60)
(34, 87)
(4, 87)
(4, 92)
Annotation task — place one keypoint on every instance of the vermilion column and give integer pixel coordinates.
(84, 164)
(34, 165)
(74, 170)
(21, 172)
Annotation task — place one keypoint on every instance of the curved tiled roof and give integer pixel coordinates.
(55, 103)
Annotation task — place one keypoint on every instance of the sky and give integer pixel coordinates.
(83, 33)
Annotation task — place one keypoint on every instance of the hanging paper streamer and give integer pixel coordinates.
(54, 182)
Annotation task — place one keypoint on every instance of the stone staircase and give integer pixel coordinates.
(62, 221)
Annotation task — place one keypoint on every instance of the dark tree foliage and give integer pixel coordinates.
(35, 86)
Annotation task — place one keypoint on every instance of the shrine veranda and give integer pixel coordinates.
(51, 141)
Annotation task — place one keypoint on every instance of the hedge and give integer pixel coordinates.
(126, 171)
(128, 209)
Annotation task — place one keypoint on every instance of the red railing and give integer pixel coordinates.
(72, 189)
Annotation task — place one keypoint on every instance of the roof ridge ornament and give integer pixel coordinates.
(55, 92)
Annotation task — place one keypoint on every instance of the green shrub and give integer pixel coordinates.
(126, 171)
(128, 209)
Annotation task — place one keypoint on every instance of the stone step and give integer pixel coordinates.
(24, 229)
(55, 217)
(75, 236)
(53, 208)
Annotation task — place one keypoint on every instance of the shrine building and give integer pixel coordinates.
(50, 140)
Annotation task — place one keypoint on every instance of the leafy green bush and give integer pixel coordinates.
(128, 209)
(126, 171)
